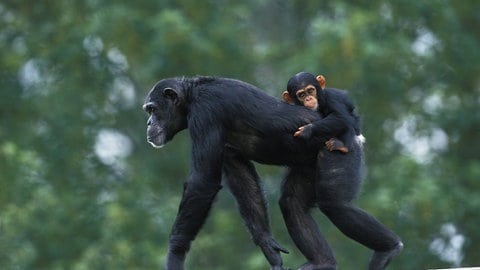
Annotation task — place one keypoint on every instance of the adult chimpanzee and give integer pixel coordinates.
(231, 123)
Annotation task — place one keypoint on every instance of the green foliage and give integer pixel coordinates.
(81, 189)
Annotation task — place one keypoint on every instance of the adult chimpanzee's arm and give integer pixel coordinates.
(199, 192)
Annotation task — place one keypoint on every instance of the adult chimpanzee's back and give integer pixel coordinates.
(231, 123)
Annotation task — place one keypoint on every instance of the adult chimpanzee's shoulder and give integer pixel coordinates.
(198, 80)
(210, 80)
(231, 88)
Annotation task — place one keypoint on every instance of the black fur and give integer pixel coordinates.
(232, 123)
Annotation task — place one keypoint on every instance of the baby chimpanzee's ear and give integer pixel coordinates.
(286, 97)
(321, 80)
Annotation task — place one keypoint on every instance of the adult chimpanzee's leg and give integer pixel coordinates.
(337, 185)
(243, 181)
(199, 193)
(194, 207)
(297, 197)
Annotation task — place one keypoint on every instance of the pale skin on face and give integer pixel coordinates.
(308, 97)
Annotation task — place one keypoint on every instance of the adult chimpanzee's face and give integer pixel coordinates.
(156, 127)
(164, 105)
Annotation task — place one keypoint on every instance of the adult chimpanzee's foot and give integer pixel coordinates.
(381, 259)
(310, 266)
(271, 249)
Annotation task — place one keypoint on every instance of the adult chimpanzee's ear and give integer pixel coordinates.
(286, 97)
(171, 94)
(322, 81)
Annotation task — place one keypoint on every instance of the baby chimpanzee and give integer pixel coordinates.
(339, 119)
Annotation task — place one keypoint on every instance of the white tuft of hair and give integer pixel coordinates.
(361, 139)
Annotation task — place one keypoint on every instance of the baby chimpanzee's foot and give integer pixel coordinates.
(335, 144)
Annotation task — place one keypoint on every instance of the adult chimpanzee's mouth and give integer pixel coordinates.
(155, 145)
(157, 141)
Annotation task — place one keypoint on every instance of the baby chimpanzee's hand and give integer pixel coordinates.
(304, 132)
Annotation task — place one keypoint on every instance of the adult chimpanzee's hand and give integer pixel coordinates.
(304, 132)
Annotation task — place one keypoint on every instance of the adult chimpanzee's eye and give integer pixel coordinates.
(149, 108)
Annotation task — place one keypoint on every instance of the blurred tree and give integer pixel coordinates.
(80, 188)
